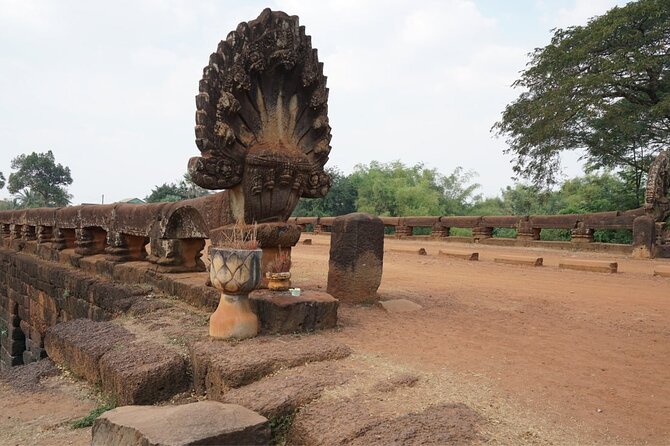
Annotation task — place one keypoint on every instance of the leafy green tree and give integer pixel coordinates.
(393, 189)
(183, 190)
(39, 181)
(603, 87)
(340, 200)
(2, 180)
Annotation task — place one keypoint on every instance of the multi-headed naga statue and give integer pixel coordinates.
(262, 120)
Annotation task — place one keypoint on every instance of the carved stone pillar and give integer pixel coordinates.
(582, 234)
(177, 255)
(90, 241)
(124, 248)
(481, 232)
(44, 234)
(63, 238)
(28, 233)
(440, 231)
(525, 231)
(404, 231)
(15, 232)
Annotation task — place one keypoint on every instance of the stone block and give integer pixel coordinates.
(204, 422)
(464, 255)
(279, 312)
(662, 271)
(80, 344)
(399, 305)
(220, 366)
(142, 373)
(644, 237)
(519, 260)
(598, 266)
(356, 258)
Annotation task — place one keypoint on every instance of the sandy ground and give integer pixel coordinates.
(558, 356)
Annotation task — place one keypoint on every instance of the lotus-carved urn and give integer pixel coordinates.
(234, 272)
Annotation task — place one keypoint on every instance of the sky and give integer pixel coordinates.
(110, 90)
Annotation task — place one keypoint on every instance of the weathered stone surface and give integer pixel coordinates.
(267, 156)
(399, 305)
(599, 266)
(279, 312)
(519, 260)
(473, 256)
(356, 258)
(220, 366)
(662, 271)
(644, 237)
(142, 373)
(204, 422)
(283, 392)
(79, 344)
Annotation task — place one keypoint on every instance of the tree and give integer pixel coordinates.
(183, 190)
(603, 87)
(39, 181)
(340, 200)
(2, 180)
(393, 189)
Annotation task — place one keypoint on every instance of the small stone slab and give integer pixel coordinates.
(662, 271)
(519, 260)
(307, 241)
(280, 312)
(464, 255)
(399, 305)
(598, 266)
(204, 422)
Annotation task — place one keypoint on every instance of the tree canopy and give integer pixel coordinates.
(603, 88)
(39, 181)
(182, 190)
(2, 180)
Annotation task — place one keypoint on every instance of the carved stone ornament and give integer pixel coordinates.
(262, 119)
(656, 201)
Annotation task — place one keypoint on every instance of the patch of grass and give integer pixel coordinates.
(88, 420)
(280, 426)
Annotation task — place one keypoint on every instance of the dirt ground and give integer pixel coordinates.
(540, 355)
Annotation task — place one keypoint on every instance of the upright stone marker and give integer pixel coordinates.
(356, 257)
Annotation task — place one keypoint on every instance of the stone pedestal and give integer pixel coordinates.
(481, 232)
(644, 237)
(404, 231)
(581, 234)
(356, 258)
(440, 231)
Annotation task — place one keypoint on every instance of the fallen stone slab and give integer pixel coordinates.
(280, 312)
(399, 305)
(204, 422)
(220, 366)
(287, 390)
(519, 260)
(142, 373)
(598, 266)
(79, 345)
(662, 271)
(464, 255)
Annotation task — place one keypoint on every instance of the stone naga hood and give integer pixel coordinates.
(262, 119)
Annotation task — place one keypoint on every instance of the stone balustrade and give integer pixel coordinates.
(175, 232)
(528, 227)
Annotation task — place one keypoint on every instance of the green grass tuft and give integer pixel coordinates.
(88, 420)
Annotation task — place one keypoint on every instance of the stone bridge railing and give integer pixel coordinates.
(646, 231)
(175, 232)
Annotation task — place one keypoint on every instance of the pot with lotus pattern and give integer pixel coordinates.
(234, 272)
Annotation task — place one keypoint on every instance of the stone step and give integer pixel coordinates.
(204, 422)
(399, 305)
(598, 266)
(519, 260)
(107, 354)
(280, 312)
(464, 255)
(662, 271)
(221, 366)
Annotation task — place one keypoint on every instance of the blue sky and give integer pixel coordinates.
(111, 89)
